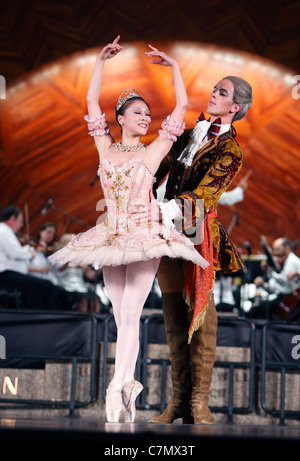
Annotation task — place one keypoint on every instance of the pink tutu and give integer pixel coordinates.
(118, 239)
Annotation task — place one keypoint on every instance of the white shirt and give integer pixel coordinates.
(170, 210)
(72, 279)
(231, 197)
(199, 137)
(278, 282)
(13, 256)
(40, 260)
(223, 291)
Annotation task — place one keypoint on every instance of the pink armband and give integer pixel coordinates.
(98, 126)
(171, 129)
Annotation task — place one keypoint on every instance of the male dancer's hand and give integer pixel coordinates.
(143, 211)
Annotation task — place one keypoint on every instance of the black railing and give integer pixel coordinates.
(36, 338)
(280, 353)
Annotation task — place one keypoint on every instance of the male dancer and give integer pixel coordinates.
(201, 165)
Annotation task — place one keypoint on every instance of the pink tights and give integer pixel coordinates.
(128, 287)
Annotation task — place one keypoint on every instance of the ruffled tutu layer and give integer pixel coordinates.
(99, 248)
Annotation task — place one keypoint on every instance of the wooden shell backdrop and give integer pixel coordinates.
(47, 153)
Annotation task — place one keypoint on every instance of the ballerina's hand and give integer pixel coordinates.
(110, 50)
(163, 58)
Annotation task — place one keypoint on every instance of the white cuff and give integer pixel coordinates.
(231, 197)
(170, 211)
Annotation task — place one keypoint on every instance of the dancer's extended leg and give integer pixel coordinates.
(128, 288)
(139, 280)
(114, 280)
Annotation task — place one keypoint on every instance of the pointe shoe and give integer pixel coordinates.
(130, 392)
(113, 415)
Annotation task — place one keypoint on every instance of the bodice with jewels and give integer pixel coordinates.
(121, 185)
(117, 239)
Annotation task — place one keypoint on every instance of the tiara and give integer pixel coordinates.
(127, 94)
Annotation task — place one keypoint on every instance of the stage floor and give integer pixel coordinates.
(151, 439)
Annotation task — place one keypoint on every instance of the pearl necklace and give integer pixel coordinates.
(122, 148)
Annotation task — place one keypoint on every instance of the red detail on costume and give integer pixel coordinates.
(199, 282)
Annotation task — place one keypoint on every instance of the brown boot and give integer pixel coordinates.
(202, 358)
(176, 326)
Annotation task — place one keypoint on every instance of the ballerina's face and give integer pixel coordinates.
(136, 119)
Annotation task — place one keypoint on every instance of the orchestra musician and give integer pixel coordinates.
(281, 279)
(15, 259)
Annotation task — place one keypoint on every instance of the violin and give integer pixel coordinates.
(41, 246)
(24, 239)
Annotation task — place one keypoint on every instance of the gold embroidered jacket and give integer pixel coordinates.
(213, 169)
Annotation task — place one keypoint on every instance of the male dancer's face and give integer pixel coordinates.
(221, 102)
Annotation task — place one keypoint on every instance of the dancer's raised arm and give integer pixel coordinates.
(96, 119)
(173, 125)
(180, 90)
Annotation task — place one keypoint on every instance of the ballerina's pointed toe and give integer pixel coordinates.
(114, 415)
(130, 392)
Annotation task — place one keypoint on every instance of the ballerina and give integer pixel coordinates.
(129, 250)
